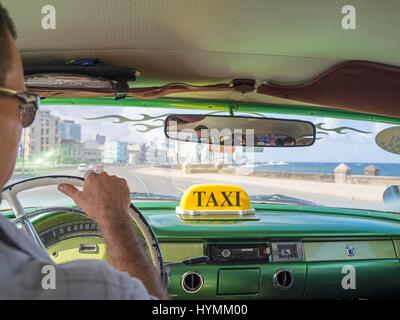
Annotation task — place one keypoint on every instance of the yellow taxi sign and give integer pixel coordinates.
(215, 199)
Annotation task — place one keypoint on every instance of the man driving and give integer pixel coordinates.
(106, 199)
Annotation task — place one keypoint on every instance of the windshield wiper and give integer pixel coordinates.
(152, 196)
(279, 198)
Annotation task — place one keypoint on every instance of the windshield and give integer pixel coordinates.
(344, 168)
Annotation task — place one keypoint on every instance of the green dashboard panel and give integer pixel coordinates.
(317, 280)
(376, 268)
(372, 278)
(334, 250)
(247, 281)
(178, 251)
(238, 281)
(325, 235)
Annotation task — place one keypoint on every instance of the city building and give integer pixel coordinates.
(92, 155)
(42, 137)
(133, 153)
(142, 153)
(70, 152)
(69, 130)
(100, 139)
(116, 152)
(91, 144)
(96, 144)
(156, 154)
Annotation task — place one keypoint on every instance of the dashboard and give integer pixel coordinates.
(282, 255)
(289, 269)
(254, 269)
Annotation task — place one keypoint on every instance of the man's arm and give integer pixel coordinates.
(125, 253)
(106, 199)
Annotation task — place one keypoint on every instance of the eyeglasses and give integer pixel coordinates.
(28, 107)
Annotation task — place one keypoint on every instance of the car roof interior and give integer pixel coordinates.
(285, 42)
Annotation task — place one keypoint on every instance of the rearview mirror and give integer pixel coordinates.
(240, 131)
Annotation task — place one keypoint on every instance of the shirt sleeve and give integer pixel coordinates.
(99, 280)
(80, 280)
(22, 240)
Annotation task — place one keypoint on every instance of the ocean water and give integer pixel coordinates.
(385, 169)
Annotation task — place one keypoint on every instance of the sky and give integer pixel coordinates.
(350, 147)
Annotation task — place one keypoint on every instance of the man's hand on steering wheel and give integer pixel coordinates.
(104, 198)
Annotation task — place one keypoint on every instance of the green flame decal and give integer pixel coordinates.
(148, 127)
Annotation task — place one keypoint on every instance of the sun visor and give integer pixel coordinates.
(361, 86)
(86, 77)
(215, 202)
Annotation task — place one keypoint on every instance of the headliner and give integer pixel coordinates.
(283, 41)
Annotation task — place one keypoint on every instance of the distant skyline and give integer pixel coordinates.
(351, 147)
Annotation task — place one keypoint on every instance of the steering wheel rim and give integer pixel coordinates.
(10, 193)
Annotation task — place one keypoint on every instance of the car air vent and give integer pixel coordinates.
(192, 282)
(283, 279)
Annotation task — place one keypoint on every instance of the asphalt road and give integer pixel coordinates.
(172, 185)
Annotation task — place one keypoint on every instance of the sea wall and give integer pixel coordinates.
(320, 177)
(341, 174)
(330, 178)
(373, 180)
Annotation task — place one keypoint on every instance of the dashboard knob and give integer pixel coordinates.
(226, 253)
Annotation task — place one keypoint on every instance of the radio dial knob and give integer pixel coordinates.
(226, 253)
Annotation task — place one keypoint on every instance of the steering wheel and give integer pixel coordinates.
(11, 192)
